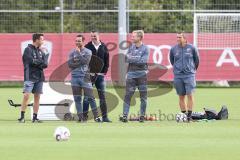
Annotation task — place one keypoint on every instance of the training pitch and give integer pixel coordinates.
(165, 139)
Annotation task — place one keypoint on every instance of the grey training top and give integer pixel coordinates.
(79, 62)
(137, 57)
(185, 60)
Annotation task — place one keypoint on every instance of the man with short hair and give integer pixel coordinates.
(100, 52)
(185, 61)
(78, 62)
(137, 58)
(35, 60)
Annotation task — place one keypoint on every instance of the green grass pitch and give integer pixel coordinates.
(218, 140)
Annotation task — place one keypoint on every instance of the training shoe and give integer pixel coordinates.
(123, 119)
(36, 121)
(98, 120)
(141, 119)
(106, 119)
(21, 120)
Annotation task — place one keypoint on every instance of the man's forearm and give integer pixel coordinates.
(73, 64)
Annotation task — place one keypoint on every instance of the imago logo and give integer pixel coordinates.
(47, 45)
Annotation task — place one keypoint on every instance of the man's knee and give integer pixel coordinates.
(77, 98)
(26, 96)
(127, 99)
(190, 97)
(101, 94)
(85, 98)
(36, 96)
(89, 98)
(129, 95)
(182, 98)
(143, 100)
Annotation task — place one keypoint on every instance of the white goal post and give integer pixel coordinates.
(217, 31)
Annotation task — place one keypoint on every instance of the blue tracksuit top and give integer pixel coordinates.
(137, 57)
(78, 62)
(185, 60)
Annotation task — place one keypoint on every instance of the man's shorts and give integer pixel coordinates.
(185, 86)
(33, 87)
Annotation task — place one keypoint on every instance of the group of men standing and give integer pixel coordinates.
(89, 64)
(81, 61)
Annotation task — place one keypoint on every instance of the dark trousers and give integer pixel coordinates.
(131, 85)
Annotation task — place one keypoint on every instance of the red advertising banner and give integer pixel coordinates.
(214, 64)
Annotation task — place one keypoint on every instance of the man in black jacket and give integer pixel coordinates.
(99, 51)
(35, 59)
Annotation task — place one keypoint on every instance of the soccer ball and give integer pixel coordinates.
(61, 133)
(181, 117)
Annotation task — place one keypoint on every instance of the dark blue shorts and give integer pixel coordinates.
(185, 86)
(33, 87)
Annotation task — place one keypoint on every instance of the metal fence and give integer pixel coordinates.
(64, 16)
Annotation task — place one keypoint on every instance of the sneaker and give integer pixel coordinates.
(141, 119)
(36, 121)
(97, 120)
(106, 119)
(21, 120)
(123, 119)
